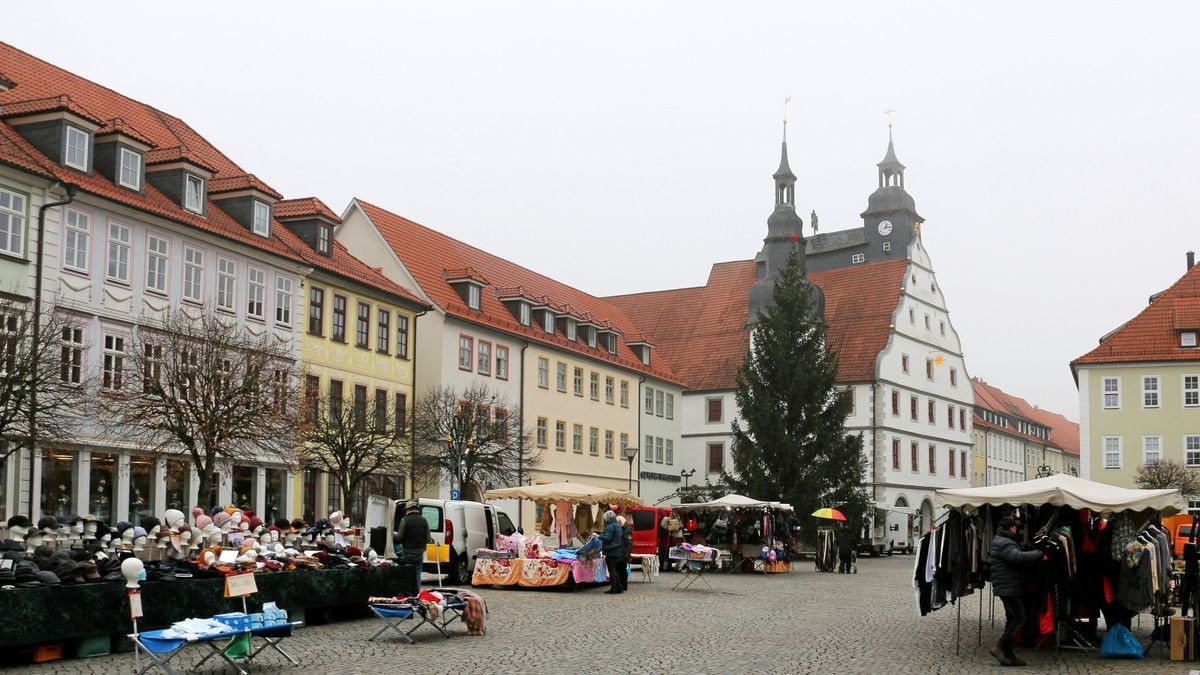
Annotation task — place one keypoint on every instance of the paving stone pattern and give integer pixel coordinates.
(803, 622)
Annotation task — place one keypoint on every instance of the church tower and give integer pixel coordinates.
(891, 218)
(784, 235)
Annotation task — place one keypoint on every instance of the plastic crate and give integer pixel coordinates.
(97, 645)
(48, 652)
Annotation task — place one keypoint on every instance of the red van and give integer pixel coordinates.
(648, 537)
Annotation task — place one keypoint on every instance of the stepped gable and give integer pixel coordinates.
(1154, 334)
(702, 330)
(434, 258)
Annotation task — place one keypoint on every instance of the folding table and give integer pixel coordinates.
(161, 650)
(395, 614)
(691, 567)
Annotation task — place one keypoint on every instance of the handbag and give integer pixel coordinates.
(1119, 643)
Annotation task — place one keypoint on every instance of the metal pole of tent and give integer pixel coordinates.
(958, 627)
(979, 632)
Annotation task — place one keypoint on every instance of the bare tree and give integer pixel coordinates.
(353, 439)
(52, 367)
(206, 388)
(1168, 475)
(472, 438)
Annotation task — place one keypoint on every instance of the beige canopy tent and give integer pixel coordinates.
(729, 501)
(1063, 490)
(575, 493)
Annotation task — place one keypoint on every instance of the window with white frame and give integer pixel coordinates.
(12, 222)
(1112, 452)
(1151, 449)
(77, 148)
(577, 381)
(594, 386)
(284, 297)
(659, 446)
(256, 292)
(130, 174)
(593, 441)
(1187, 338)
(624, 443)
(525, 313)
(226, 284)
(466, 350)
(669, 455)
(541, 432)
(114, 362)
(323, 235)
(1112, 393)
(484, 358)
(659, 402)
(560, 377)
(502, 362)
(649, 401)
(1191, 391)
(401, 336)
(548, 322)
(71, 361)
(577, 439)
(262, 219)
(156, 263)
(77, 234)
(612, 343)
(119, 244)
(858, 258)
(591, 336)
(1191, 450)
(193, 274)
(1149, 391)
(560, 436)
(543, 373)
(609, 390)
(670, 406)
(383, 331)
(193, 195)
(473, 296)
(624, 394)
(608, 443)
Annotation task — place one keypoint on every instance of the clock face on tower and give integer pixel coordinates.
(885, 228)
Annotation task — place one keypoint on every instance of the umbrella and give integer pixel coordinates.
(829, 514)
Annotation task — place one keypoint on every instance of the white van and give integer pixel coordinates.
(465, 526)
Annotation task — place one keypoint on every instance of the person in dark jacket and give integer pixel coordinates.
(411, 539)
(845, 545)
(1006, 563)
(610, 539)
(626, 551)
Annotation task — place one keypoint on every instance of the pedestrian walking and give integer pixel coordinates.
(610, 540)
(1006, 563)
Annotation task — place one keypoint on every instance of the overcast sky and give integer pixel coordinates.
(628, 147)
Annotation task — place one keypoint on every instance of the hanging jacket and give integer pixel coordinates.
(1007, 559)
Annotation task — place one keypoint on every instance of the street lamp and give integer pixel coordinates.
(630, 455)
(685, 475)
(1044, 471)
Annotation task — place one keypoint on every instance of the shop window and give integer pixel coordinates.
(243, 487)
(59, 474)
(276, 495)
(308, 502)
(141, 488)
(102, 486)
(179, 474)
(333, 495)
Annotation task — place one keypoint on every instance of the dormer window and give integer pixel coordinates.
(612, 343)
(526, 311)
(323, 233)
(262, 219)
(1187, 338)
(77, 148)
(193, 195)
(570, 329)
(548, 322)
(591, 336)
(130, 172)
(474, 296)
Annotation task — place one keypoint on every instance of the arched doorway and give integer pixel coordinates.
(926, 515)
(902, 503)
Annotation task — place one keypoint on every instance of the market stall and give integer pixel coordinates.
(752, 534)
(1096, 539)
(568, 517)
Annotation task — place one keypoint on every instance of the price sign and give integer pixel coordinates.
(135, 604)
(240, 585)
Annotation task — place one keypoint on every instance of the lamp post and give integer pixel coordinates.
(1044, 471)
(630, 455)
(685, 475)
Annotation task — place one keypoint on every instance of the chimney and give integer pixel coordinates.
(1191, 257)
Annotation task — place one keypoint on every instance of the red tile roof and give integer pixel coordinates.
(175, 140)
(430, 256)
(245, 181)
(19, 108)
(702, 330)
(118, 126)
(305, 206)
(1064, 433)
(1153, 335)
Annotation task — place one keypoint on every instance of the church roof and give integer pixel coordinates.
(889, 160)
(784, 171)
(825, 242)
(702, 330)
(1154, 334)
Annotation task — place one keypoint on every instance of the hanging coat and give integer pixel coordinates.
(547, 524)
(583, 519)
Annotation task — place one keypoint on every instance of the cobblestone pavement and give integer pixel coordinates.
(803, 622)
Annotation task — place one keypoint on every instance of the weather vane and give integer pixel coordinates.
(889, 112)
(786, 100)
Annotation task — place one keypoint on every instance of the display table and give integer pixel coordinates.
(537, 572)
(159, 650)
(102, 608)
(692, 565)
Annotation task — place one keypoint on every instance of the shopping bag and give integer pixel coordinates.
(1119, 643)
(239, 647)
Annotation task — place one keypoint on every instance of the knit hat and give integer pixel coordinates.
(26, 574)
(282, 523)
(149, 523)
(122, 527)
(220, 518)
(138, 531)
(203, 522)
(255, 523)
(298, 524)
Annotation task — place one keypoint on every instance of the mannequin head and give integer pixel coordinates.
(139, 538)
(214, 538)
(18, 527)
(222, 520)
(76, 526)
(34, 539)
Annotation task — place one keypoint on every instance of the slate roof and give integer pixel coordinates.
(1153, 335)
(433, 258)
(702, 330)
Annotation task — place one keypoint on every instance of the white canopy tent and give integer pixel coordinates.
(734, 501)
(1063, 490)
(575, 493)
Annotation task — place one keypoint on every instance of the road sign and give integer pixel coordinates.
(455, 495)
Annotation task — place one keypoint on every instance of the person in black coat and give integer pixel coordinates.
(411, 539)
(845, 545)
(1006, 563)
